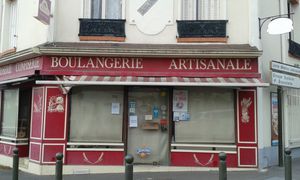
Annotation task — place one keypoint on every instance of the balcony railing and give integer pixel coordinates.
(201, 28)
(102, 27)
(294, 49)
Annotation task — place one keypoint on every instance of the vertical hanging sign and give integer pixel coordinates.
(43, 11)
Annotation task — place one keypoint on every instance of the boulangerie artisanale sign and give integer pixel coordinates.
(132, 66)
(140, 66)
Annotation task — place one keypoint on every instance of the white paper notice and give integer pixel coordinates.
(115, 108)
(133, 121)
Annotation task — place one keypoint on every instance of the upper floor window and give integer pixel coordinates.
(103, 9)
(203, 9)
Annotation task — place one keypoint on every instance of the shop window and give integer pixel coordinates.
(96, 114)
(202, 21)
(206, 116)
(16, 108)
(102, 21)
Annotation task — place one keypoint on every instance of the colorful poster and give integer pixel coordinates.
(180, 100)
(274, 119)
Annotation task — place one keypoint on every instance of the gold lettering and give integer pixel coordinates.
(211, 65)
(54, 61)
(182, 64)
(173, 65)
(230, 65)
(139, 63)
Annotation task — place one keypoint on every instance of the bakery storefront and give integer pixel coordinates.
(162, 109)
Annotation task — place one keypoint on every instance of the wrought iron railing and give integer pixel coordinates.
(201, 28)
(102, 27)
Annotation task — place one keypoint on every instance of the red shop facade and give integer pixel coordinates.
(95, 109)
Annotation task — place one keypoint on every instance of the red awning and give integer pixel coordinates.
(155, 81)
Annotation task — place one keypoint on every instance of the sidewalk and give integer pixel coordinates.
(273, 173)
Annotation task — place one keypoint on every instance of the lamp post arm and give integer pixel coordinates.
(261, 21)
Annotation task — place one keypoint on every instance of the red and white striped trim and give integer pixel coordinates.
(156, 81)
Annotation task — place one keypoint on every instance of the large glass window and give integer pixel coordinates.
(16, 113)
(96, 114)
(106, 9)
(211, 117)
(10, 113)
(203, 9)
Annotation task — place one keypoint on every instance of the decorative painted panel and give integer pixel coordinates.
(55, 118)
(247, 156)
(49, 152)
(246, 116)
(35, 152)
(95, 157)
(201, 159)
(37, 112)
(7, 149)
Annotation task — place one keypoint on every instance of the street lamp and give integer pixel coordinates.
(279, 24)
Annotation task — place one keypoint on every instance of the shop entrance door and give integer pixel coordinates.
(148, 125)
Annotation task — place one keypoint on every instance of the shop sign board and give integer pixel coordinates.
(285, 68)
(20, 69)
(141, 66)
(282, 79)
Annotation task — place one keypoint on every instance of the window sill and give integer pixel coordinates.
(101, 38)
(203, 40)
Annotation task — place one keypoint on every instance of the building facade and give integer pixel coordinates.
(173, 83)
(283, 49)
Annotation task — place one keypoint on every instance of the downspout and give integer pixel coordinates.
(282, 123)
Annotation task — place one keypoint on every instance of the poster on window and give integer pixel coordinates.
(274, 119)
(180, 100)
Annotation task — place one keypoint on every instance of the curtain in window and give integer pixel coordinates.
(212, 117)
(96, 9)
(200, 9)
(113, 9)
(10, 113)
(188, 9)
(91, 118)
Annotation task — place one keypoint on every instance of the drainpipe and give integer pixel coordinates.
(280, 91)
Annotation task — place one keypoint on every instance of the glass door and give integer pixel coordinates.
(148, 125)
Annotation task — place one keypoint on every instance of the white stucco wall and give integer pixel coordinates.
(66, 20)
(30, 31)
(68, 12)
